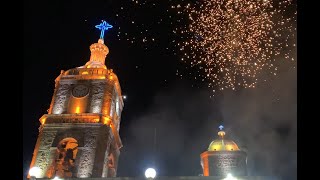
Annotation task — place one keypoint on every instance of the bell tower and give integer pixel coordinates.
(79, 137)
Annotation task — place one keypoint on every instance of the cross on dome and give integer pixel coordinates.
(221, 127)
(103, 27)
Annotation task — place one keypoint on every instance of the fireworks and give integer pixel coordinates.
(134, 27)
(232, 41)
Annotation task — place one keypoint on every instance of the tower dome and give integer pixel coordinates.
(222, 144)
(223, 156)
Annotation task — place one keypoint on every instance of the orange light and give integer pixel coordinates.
(101, 77)
(96, 120)
(107, 121)
(110, 77)
(85, 72)
(230, 148)
(77, 109)
(221, 133)
(42, 120)
(205, 164)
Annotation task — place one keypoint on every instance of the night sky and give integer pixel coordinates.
(167, 121)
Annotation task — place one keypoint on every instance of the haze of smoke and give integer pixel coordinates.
(265, 121)
(186, 121)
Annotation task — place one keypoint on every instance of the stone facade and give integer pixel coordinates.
(220, 163)
(79, 137)
(99, 99)
(95, 143)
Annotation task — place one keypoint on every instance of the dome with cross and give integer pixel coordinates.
(222, 144)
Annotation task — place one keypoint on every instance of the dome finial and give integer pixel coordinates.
(221, 133)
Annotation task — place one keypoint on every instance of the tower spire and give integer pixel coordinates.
(99, 50)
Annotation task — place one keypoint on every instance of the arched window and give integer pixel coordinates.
(111, 166)
(66, 153)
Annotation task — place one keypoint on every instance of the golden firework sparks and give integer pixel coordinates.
(233, 40)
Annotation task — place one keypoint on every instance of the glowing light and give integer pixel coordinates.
(103, 27)
(150, 173)
(230, 177)
(43, 120)
(77, 109)
(56, 178)
(124, 97)
(97, 120)
(107, 121)
(221, 134)
(35, 172)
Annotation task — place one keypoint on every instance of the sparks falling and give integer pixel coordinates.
(232, 41)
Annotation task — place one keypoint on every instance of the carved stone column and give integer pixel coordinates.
(88, 154)
(106, 156)
(97, 97)
(43, 160)
(106, 106)
(60, 102)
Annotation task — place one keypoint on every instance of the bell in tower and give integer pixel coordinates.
(79, 137)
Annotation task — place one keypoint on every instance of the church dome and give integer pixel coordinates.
(222, 144)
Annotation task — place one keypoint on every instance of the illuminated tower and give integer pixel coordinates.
(222, 157)
(79, 135)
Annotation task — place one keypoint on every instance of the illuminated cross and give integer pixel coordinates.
(221, 127)
(103, 27)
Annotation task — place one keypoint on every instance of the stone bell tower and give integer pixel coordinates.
(79, 137)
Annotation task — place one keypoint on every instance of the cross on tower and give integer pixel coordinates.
(221, 127)
(103, 27)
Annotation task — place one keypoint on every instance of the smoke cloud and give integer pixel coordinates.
(181, 122)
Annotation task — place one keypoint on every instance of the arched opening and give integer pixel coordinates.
(111, 166)
(66, 153)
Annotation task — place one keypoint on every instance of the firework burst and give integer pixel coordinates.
(232, 41)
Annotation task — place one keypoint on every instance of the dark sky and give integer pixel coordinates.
(57, 36)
